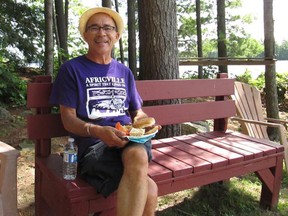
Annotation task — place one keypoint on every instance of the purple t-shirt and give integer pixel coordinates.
(101, 94)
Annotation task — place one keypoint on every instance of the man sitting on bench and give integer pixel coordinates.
(95, 92)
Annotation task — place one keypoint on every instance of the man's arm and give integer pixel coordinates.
(109, 135)
(138, 114)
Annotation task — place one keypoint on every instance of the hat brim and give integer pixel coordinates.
(90, 12)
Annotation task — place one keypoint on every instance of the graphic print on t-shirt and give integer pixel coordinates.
(105, 102)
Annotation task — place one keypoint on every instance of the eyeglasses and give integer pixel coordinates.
(96, 29)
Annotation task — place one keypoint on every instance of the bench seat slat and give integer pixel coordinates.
(158, 172)
(215, 160)
(278, 147)
(258, 146)
(178, 167)
(174, 89)
(247, 151)
(197, 163)
(231, 156)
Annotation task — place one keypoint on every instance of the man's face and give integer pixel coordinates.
(101, 33)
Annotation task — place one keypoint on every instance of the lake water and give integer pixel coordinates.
(256, 70)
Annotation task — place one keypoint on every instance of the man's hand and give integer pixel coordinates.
(109, 135)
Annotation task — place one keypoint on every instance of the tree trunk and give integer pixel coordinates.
(107, 3)
(48, 60)
(120, 41)
(158, 39)
(158, 47)
(270, 74)
(221, 32)
(132, 56)
(199, 36)
(62, 30)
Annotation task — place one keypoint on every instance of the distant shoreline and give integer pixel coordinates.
(233, 70)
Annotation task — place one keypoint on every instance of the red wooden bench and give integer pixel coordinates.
(179, 162)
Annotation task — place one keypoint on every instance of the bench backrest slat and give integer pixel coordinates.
(45, 126)
(191, 112)
(174, 89)
(38, 95)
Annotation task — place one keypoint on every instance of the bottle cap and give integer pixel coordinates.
(70, 139)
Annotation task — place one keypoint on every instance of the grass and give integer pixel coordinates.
(238, 197)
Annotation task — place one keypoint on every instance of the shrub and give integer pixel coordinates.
(281, 82)
(12, 88)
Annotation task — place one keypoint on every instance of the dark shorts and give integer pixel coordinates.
(102, 166)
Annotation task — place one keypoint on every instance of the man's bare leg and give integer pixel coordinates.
(151, 203)
(133, 189)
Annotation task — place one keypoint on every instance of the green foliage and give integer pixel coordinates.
(208, 73)
(282, 85)
(281, 50)
(22, 30)
(12, 88)
(281, 82)
(245, 47)
(239, 44)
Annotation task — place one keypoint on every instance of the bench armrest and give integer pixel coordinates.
(279, 121)
(281, 127)
(265, 123)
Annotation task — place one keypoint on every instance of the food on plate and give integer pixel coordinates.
(136, 132)
(124, 128)
(143, 126)
(148, 124)
(144, 122)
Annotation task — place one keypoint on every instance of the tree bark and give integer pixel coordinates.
(270, 74)
(221, 32)
(132, 54)
(158, 39)
(199, 36)
(158, 47)
(62, 30)
(120, 41)
(48, 60)
(107, 3)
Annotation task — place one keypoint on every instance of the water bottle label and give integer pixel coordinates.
(70, 158)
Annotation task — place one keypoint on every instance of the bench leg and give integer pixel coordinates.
(271, 184)
(41, 208)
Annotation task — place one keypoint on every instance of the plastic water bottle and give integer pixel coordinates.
(70, 160)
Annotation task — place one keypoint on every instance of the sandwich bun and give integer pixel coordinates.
(144, 122)
(152, 130)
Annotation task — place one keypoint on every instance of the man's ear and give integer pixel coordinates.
(117, 36)
(84, 36)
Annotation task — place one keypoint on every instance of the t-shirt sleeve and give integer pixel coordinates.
(64, 90)
(136, 101)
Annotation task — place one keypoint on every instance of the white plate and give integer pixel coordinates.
(141, 139)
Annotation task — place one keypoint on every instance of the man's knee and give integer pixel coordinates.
(135, 155)
(152, 188)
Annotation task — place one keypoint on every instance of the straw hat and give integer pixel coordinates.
(90, 12)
